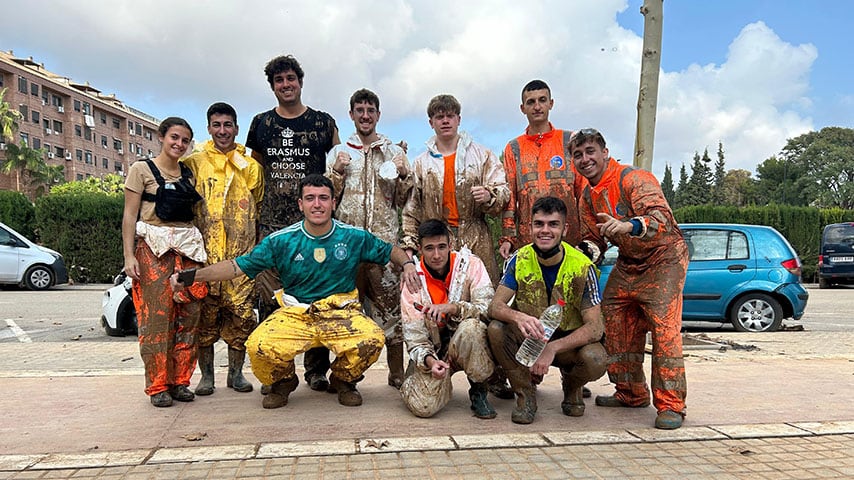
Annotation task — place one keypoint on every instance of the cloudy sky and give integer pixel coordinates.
(749, 73)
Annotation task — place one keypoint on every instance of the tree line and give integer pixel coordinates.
(815, 169)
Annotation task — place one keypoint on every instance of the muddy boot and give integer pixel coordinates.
(573, 397)
(479, 403)
(394, 358)
(235, 379)
(279, 391)
(206, 366)
(526, 394)
(316, 362)
(161, 399)
(498, 386)
(347, 393)
(668, 420)
(181, 393)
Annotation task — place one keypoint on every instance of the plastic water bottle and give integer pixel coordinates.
(532, 348)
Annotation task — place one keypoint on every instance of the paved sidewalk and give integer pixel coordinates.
(77, 410)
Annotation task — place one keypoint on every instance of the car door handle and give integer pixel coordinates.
(736, 268)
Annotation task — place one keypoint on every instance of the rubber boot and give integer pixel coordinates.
(347, 393)
(394, 358)
(235, 378)
(206, 366)
(497, 384)
(573, 396)
(279, 391)
(479, 403)
(316, 362)
(526, 394)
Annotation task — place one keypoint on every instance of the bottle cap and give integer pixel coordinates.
(561, 302)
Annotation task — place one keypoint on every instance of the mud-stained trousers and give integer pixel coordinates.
(228, 315)
(468, 351)
(380, 284)
(335, 322)
(635, 303)
(168, 331)
(577, 366)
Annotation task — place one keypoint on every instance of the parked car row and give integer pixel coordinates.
(24, 263)
(748, 275)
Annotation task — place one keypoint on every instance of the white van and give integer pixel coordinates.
(24, 263)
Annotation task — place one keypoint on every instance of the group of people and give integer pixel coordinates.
(349, 248)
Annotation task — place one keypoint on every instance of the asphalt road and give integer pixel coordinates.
(73, 313)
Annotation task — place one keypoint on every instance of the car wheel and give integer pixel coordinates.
(823, 283)
(38, 277)
(113, 332)
(756, 312)
(126, 320)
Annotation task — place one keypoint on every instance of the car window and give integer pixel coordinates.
(839, 234)
(716, 245)
(6, 238)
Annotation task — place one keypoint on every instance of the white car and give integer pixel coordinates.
(24, 263)
(119, 318)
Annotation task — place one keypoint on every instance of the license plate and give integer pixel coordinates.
(841, 259)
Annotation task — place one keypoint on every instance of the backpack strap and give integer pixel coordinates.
(150, 197)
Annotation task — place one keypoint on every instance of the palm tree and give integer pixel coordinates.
(8, 119)
(46, 178)
(21, 158)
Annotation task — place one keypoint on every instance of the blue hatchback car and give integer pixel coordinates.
(748, 275)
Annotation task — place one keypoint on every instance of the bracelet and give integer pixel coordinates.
(407, 262)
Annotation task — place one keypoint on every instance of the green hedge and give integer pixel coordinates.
(86, 229)
(802, 226)
(17, 212)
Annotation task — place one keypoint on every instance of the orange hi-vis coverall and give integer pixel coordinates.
(644, 290)
(232, 186)
(536, 166)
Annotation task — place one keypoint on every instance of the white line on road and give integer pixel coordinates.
(19, 332)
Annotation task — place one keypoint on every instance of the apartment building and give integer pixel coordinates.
(91, 133)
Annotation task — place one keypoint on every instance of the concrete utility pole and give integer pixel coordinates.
(653, 12)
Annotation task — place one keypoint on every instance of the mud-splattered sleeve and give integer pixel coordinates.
(509, 229)
(481, 292)
(337, 178)
(648, 204)
(413, 208)
(587, 219)
(415, 333)
(495, 180)
(403, 186)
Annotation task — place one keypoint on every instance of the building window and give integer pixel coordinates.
(88, 157)
(1, 81)
(139, 129)
(36, 117)
(87, 134)
(117, 166)
(148, 135)
(48, 149)
(105, 163)
(45, 99)
(34, 89)
(79, 177)
(57, 126)
(60, 152)
(117, 144)
(25, 112)
(87, 109)
(25, 138)
(116, 123)
(150, 154)
(79, 154)
(37, 143)
(56, 100)
(130, 127)
(104, 141)
(22, 84)
(78, 130)
(76, 105)
(103, 118)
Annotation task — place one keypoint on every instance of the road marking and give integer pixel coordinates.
(18, 331)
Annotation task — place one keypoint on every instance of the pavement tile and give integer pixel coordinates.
(374, 445)
(581, 438)
(202, 454)
(303, 449)
(89, 460)
(498, 441)
(680, 434)
(18, 462)
(826, 428)
(758, 431)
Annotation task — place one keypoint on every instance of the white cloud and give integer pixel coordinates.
(171, 57)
